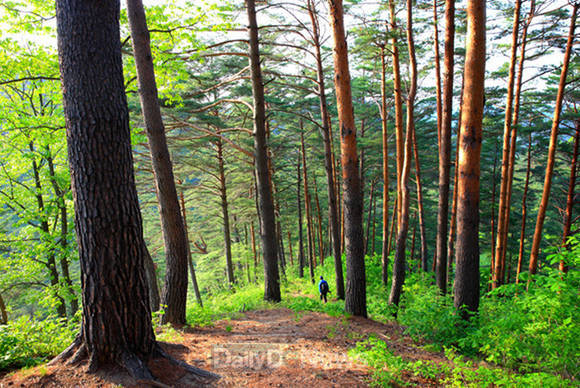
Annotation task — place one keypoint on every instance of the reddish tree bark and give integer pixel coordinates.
(355, 302)
(552, 148)
(467, 253)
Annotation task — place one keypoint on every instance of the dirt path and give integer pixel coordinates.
(268, 348)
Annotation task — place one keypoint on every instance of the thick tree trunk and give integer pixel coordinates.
(116, 324)
(225, 212)
(385, 245)
(189, 258)
(552, 149)
(175, 290)
(267, 217)
(445, 147)
(524, 211)
(300, 228)
(399, 138)
(503, 196)
(400, 251)
(467, 253)
(355, 302)
(422, 230)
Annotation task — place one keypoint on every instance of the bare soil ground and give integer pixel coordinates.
(267, 348)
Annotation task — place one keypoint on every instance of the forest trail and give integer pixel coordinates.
(265, 348)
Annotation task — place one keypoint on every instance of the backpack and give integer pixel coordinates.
(324, 287)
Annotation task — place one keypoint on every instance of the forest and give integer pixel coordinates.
(177, 178)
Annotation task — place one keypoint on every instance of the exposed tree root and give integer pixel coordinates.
(130, 362)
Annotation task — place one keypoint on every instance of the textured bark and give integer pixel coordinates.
(399, 138)
(307, 203)
(225, 212)
(400, 251)
(355, 301)
(570, 197)
(493, 190)
(60, 194)
(189, 258)
(422, 230)
(266, 213)
(467, 253)
(505, 164)
(116, 319)
(385, 244)
(524, 211)
(552, 148)
(175, 291)
(445, 147)
(300, 228)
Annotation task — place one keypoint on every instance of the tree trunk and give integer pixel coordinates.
(267, 217)
(385, 245)
(399, 139)
(50, 259)
(254, 251)
(453, 224)
(290, 248)
(570, 197)
(493, 190)
(189, 258)
(175, 290)
(399, 263)
(3, 313)
(319, 214)
(393, 226)
(225, 212)
(503, 196)
(524, 211)
(300, 228)
(151, 275)
(116, 323)
(445, 147)
(60, 194)
(422, 231)
(307, 204)
(467, 252)
(374, 225)
(514, 125)
(438, 69)
(355, 302)
(369, 214)
(552, 149)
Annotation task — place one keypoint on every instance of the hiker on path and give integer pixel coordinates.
(323, 288)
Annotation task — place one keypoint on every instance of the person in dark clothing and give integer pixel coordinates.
(323, 289)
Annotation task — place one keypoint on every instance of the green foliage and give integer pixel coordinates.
(27, 342)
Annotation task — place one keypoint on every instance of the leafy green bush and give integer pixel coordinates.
(26, 342)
